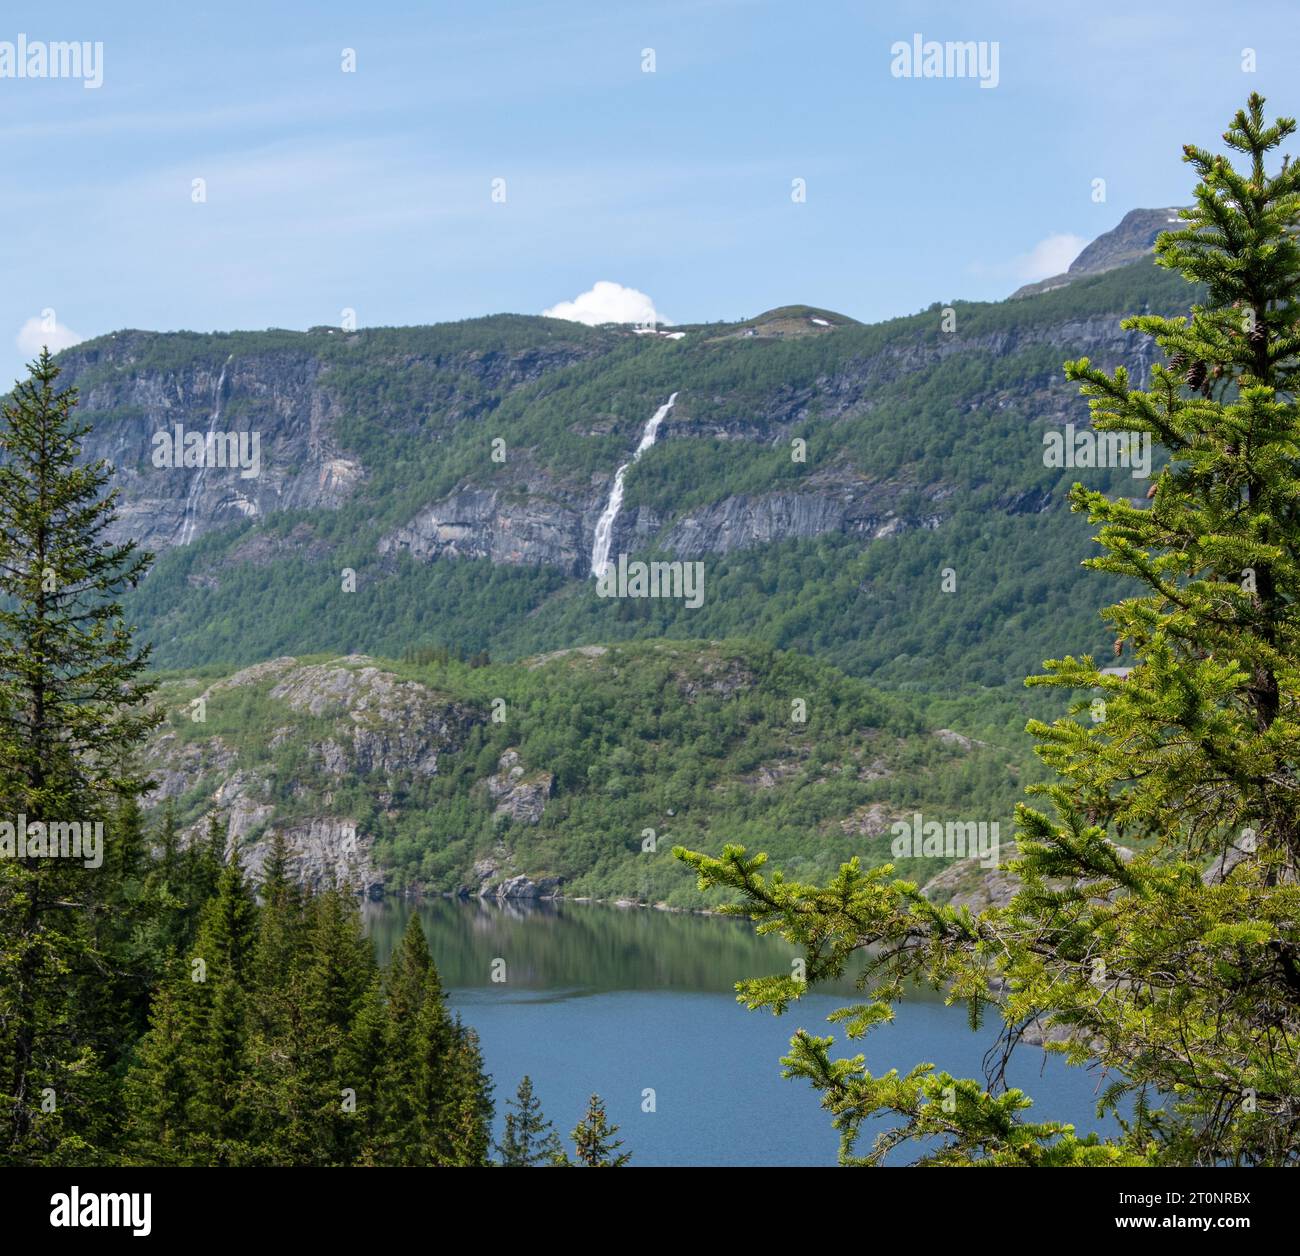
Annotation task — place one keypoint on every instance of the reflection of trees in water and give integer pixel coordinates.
(584, 946)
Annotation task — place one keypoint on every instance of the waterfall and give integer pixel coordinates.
(605, 524)
(189, 523)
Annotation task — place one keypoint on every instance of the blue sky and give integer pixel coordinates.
(372, 190)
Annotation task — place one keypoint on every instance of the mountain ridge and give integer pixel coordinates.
(458, 473)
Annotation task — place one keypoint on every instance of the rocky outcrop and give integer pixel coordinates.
(967, 883)
(342, 723)
(518, 795)
(526, 887)
(323, 852)
(716, 678)
(872, 820)
(389, 726)
(737, 523)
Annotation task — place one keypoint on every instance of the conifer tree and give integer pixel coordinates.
(158, 1087)
(281, 930)
(219, 1018)
(175, 919)
(594, 1144)
(467, 1133)
(434, 1096)
(72, 702)
(334, 972)
(362, 1068)
(1158, 919)
(529, 1138)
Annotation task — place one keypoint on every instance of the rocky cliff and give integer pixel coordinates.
(298, 393)
(309, 751)
(330, 410)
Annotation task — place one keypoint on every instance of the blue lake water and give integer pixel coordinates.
(620, 1001)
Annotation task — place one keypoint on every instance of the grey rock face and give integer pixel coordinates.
(1131, 240)
(323, 852)
(743, 522)
(288, 394)
(374, 727)
(518, 795)
(475, 523)
(396, 726)
(282, 397)
(526, 887)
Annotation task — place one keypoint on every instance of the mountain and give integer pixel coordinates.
(386, 642)
(578, 769)
(453, 477)
(1131, 241)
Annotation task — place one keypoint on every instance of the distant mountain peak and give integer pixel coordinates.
(1132, 239)
(789, 321)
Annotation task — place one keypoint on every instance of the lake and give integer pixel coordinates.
(622, 1000)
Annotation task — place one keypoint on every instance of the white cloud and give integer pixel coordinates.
(1048, 257)
(38, 333)
(607, 302)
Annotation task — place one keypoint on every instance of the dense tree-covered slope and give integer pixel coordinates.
(586, 765)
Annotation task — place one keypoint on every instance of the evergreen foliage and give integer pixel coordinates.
(1157, 916)
(530, 1140)
(594, 1144)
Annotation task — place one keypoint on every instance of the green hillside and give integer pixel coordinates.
(944, 435)
(701, 743)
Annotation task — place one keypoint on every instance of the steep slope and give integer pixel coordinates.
(444, 485)
(327, 406)
(585, 765)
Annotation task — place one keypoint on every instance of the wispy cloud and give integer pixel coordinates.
(1050, 256)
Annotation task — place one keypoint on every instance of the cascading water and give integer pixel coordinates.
(605, 524)
(189, 523)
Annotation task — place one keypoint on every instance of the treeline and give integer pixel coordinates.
(209, 1025)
